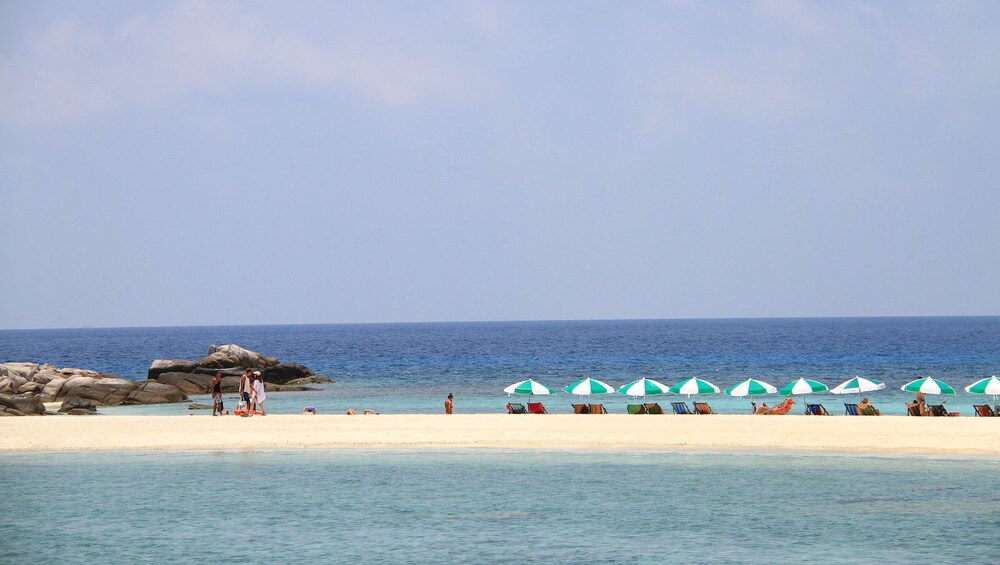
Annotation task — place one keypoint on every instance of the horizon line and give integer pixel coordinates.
(522, 321)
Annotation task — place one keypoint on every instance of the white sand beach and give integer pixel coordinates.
(890, 435)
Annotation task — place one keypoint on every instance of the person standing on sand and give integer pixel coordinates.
(217, 394)
(245, 384)
(258, 393)
(449, 404)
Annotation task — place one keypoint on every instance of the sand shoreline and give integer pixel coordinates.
(887, 435)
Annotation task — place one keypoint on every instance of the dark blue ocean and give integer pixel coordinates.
(411, 367)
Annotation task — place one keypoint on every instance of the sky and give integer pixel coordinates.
(206, 163)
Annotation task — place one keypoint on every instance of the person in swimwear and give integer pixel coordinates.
(217, 394)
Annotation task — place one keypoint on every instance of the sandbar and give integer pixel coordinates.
(887, 434)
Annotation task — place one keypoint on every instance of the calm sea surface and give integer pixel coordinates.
(411, 367)
(462, 506)
(496, 507)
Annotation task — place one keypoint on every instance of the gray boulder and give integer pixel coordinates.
(189, 383)
(285, 372)
(22, 404)
(78, 406)
(161, 366)
(232, 355)
(105, 392)
(151, 392)
(314, 380)
(53, 389)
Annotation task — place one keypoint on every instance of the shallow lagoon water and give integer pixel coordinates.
(446, 506)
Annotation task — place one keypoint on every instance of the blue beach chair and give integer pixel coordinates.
(818, 410)
(852, 409)
(682, 408)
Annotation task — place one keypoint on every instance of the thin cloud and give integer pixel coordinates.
(71, 73)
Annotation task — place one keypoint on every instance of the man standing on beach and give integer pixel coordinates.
(448, 404)
(245, 384)
(217, 393)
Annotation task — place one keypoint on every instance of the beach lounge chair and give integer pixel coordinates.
(869, 411)
(636, 409)
(536, 408)
(654, 408)
(937, 410)
(581, 409)
(515, 408)
(598, 409)
(912, 409)
(681, 408)
(983, 410)
(703, 408)
(781, 409)
(816, 410)
(852, 409)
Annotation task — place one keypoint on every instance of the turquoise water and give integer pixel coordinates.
(496, 507)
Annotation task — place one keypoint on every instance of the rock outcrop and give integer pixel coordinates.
(26, 386)
(20, 405)
(194, 377)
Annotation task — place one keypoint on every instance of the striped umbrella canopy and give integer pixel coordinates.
(989, 385)
(694, 385)
(803, 386)
(529, 387)
(928, 385)
(589, 386)
(750, 387)
(858, 385)
(644, 387)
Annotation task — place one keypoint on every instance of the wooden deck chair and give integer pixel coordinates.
(636, 409)
(536, 408)
(515, 408)
(983, 410)
(912, 409)
(852, 409)
(703, 408)
(654, 408)
(581, 409)
(681, 408)
(598, 409)
(937, 410)
(816, 410)
(869, 411)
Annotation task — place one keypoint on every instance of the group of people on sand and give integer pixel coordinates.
(252, 394)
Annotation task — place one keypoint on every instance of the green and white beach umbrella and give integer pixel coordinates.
(857, 385)
(589, 386)
(928, 385)
(694, 386)
(644, 387)
(529, 387)
(750, 387)
(989, 385)
(803, 386)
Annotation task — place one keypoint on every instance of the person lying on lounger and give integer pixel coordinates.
(784, 408)
(353, 412)
(866, 408)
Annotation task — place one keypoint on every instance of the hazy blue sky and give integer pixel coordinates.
(176, 163)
